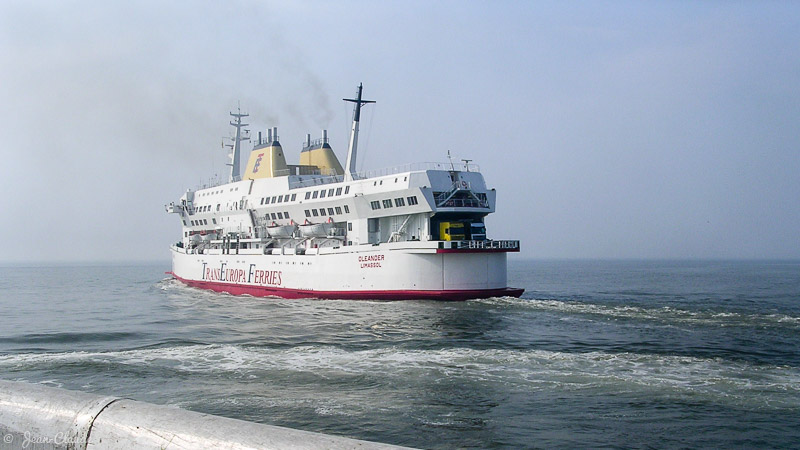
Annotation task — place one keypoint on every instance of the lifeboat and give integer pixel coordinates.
(281, 231)
(309, 230)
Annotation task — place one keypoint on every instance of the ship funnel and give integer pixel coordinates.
(319, 153)
(267, 159)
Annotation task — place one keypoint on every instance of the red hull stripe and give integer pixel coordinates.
(269, 291)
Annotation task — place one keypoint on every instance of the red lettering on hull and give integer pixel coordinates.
(254, 276)
(274, 291)
(370, 261)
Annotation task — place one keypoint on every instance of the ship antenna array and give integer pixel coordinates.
(236, 147)
(351, 150)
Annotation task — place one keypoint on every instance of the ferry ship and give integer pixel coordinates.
(320, 230)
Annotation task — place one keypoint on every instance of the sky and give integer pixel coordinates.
(610, 129)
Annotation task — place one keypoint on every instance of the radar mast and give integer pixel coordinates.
(350, 166)
(236, 149)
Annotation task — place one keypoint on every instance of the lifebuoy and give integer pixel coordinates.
(463, 184)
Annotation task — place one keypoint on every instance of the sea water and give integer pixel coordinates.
(595, 354)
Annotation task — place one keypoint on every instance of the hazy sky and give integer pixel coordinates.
(610, 129)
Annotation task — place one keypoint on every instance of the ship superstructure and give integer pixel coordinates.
(320, 230)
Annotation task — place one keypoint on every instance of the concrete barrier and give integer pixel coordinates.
(37, 417)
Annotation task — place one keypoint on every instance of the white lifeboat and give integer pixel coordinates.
(308, 229)
(282, 231)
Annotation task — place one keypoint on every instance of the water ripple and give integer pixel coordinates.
(665, 314)
(733, 383)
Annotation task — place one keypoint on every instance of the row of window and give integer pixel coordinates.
(286, 198)
(196, 223)
(398, 202)
(327, 192)
(375, 183)
(309, 195)
(387, 203)
(203, 194)
(278, 199)
(329, 211)
(273, 216)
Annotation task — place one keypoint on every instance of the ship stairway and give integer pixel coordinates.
(444, 199)
(401, 230)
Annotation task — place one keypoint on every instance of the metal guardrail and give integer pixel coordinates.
(414, 167)
(33, 416)
(447, 199)
(462, 203)
(311, 180)
(363, 175)
(491, 244)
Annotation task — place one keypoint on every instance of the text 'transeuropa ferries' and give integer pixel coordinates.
(317, 230)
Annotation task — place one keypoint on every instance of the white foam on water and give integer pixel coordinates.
(53, 383)
(662, 314)
(733, 382)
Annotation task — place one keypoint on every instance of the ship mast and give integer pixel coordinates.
(350, 169)
(236, 147)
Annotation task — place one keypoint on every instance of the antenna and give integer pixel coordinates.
(466, 163)
(351, 151)
(452, 167)
(236, 146)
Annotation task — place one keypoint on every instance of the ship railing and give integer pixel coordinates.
(308, 181)
(487, 244)
(366, 174)
(463, 203)
(448, 198)
(416, 167)
(300, 170)
(312, 180)
(454, 188)
(316, 143)
(214, 182)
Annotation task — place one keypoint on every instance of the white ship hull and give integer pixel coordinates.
(391, 273)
